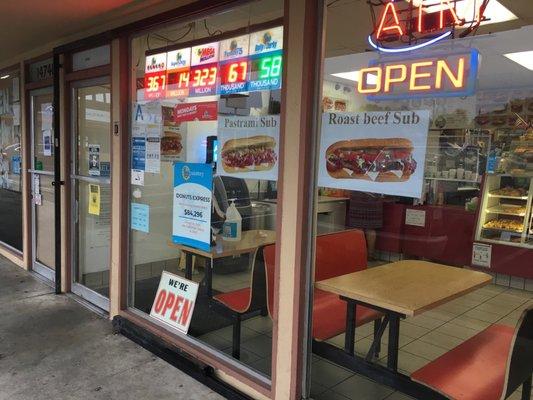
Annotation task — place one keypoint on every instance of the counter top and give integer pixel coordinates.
(321, 199)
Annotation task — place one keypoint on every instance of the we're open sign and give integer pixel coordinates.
(174, 301)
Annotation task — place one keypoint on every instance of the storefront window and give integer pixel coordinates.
(425, 147)
(10, 161)
(204, 165)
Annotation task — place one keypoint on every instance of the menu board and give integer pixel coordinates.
(241, 64)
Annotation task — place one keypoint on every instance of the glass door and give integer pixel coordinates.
(91, 190)
(42, 178)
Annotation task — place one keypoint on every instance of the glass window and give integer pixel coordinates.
(423, 198)
(204, 166)
(10, 161)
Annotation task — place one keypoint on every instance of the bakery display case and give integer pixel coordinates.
(505, 214)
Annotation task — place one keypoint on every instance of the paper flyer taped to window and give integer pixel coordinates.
(94, 199)
(94, 159)
(140, 217)
(377, 152)
(47, 142)
(153, 149)
(137, 177)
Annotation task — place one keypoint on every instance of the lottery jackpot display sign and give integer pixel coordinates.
(245, 63)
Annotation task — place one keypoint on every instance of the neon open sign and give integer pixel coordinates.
(450, 75)
(418, 23)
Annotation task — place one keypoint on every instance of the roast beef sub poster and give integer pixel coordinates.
(378, 152)
(248, 147)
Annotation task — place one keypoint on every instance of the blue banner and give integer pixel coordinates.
(191, 215)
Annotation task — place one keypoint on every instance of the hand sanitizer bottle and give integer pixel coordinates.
(231, 230)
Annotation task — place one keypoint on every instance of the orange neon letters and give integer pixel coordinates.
(415, 75)
(362, 84)
(390, 79)
(449, 74)
(395, 26)
(457, 81)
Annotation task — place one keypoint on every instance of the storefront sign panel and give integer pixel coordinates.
(248, 147)
(174, 301)
(378, 152)
(191, 217)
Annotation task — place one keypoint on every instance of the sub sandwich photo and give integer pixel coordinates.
(378, 160)
(171, 144)
(254, 153)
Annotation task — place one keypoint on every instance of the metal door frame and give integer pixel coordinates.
(36, 265)
(77, 288)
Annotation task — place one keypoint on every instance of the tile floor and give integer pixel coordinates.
(422, 339)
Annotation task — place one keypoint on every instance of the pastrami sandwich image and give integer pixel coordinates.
(379, 160)
(254, 153)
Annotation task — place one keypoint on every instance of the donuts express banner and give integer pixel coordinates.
(378, 152)
(248, 147)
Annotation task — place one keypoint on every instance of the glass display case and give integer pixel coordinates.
(505, 214)
(455, 162)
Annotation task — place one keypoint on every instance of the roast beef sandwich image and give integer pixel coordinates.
(379, 160)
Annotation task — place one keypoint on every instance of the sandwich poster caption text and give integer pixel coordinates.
(174, 301)
(249, 147)
(378, 152)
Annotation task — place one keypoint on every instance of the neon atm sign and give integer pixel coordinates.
(450, 75)
(407, 25)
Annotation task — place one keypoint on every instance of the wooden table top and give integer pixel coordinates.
(250, 241)
(408, 287)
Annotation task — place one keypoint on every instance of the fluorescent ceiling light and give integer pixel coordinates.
(4, 76)
(524, 58)
(371, 79)
(467, 9)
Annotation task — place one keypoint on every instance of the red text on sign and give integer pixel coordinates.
(173, 306)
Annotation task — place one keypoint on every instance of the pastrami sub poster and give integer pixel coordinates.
(378, 152)
(248, 147)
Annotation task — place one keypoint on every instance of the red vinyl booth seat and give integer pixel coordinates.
(329, 315)
(336, 254)
(238, 300)
(474, 370)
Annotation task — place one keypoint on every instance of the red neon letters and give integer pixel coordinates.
(395, 26)
(389, 22)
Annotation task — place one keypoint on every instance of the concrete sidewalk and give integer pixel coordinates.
(51, 347)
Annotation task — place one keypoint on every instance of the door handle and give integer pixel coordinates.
(76, 209)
